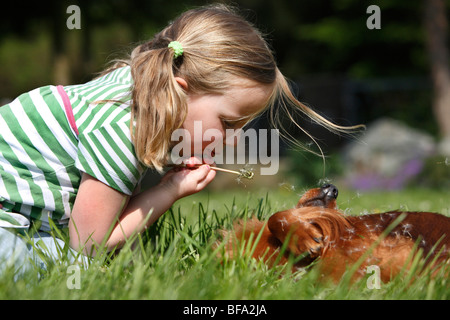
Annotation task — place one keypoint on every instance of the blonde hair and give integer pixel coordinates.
(218, 45)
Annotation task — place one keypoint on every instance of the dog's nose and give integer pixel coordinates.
(330, 191)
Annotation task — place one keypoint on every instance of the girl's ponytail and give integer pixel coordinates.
(159, 103)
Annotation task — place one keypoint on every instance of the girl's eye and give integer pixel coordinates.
(229, 124)
(234, 124)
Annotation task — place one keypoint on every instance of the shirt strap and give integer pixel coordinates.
(68, 108)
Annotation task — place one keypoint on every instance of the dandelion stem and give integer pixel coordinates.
(242, 172)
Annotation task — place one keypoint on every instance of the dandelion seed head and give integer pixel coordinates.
(246, 173)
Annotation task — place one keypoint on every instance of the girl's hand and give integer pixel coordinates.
(184, 181)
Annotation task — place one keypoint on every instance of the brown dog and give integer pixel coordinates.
(316, 229)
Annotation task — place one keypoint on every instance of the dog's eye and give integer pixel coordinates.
(315, 203)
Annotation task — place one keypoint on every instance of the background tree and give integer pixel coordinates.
(436, 26)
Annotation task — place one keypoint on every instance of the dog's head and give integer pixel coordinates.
(313, 224)
(324, 197)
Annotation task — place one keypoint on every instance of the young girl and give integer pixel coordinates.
(76, 154)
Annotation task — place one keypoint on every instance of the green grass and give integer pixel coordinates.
(175, 259)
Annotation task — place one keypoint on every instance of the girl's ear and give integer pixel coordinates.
(182, 83)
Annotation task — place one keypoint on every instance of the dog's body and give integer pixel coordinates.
(316, 229)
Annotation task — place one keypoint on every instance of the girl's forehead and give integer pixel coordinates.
(249, 97)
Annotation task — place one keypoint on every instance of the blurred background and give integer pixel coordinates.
(388, 71)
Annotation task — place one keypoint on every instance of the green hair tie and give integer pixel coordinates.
(177, 49)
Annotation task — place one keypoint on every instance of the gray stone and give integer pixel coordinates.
(387, 155)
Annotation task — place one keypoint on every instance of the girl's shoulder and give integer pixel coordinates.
(115, 85)
(103, 100)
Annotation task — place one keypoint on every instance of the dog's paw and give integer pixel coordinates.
(303, 236)
(310, 240)
(316, 249)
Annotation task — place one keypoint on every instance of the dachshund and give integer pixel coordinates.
(315, 230)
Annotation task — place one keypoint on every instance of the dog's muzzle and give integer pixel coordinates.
(330, 191)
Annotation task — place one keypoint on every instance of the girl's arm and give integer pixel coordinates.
(98, 208)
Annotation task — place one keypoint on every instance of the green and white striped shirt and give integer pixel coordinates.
(50, 135)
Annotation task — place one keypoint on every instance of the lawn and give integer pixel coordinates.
(175, 259)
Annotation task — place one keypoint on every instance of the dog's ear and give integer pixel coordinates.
(303, 236)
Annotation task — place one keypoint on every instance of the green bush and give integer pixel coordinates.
(435, 173)
(307, 169)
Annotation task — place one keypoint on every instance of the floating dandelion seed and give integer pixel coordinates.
(445, 162)
(286, 186)
(324, 181)
(406, 228)
(283, 223)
